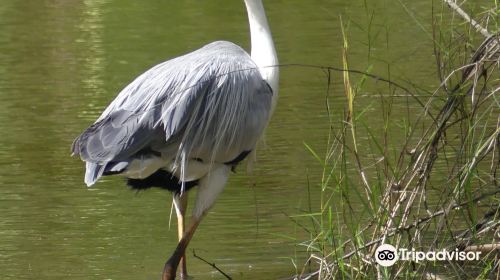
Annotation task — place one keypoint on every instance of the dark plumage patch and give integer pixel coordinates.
(238, 159)
(161, 179)
(270, 88)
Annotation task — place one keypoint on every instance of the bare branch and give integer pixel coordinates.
(212, 265)
(465, 16)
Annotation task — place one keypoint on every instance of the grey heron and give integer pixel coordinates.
(187, 122)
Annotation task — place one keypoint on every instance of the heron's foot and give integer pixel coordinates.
(169, 272)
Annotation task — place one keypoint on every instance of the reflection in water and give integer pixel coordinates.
(91, 32)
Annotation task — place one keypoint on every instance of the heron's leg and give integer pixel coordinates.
(209, 189)
(170, 269)
(180, 202)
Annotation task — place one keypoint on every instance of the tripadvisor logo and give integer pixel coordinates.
(387, 255)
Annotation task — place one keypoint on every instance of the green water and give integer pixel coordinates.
(62, 62)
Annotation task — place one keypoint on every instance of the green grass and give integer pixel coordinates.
(437, 189)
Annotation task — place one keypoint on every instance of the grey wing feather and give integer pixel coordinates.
(93, 172)
(210, 104)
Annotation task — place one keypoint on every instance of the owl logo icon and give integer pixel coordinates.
(386, 255)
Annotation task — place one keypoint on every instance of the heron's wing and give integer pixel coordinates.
(211, 102)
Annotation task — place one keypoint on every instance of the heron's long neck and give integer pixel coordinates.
(263, 52)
